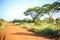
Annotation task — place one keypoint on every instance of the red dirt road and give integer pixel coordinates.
(14, 32)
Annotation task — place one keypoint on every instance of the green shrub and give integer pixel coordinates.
(3, 26)
(0, 24)
(58, 22)
(47, 31)
(39, 23)
(50, 32)
(1, 21)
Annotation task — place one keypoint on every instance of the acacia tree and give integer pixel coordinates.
(51, 9)
(35, 12)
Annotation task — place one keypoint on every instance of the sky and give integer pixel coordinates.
(14, 9)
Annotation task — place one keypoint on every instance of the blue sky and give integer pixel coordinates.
(13, 9)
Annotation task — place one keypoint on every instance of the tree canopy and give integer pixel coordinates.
(49, 9)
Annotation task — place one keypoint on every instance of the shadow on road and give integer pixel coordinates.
(31, 34)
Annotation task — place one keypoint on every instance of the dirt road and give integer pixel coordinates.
(14, 32)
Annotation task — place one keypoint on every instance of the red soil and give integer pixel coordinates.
(14, 32)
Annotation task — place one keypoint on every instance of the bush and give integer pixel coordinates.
(1, 21)
(3, 26)
(48, 31)
(58, 22)
(0, 24)
(39, 23)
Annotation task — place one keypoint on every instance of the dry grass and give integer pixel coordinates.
(3, 26)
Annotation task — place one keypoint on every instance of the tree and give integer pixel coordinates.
(28, 20)
(50, 9)
(15, 20)
(35, 12)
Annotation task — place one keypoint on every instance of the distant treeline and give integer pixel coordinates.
(24, 20)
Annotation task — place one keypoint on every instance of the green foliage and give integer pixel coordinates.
(48, 31)
(50, 10)
(35, 12)
(19, 22)
(51, 20)
(3, 24)
(37, 22)
(56, 6)
(58, 22)
(1, 21)
(47, 26)
(27, 20)
(28, 10)
(0, 24)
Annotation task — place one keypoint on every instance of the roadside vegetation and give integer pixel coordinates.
(3, 24)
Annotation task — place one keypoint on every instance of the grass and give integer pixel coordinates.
(41, 27)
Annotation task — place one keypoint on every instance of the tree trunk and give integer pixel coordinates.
(51, 19)
(33, 19)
